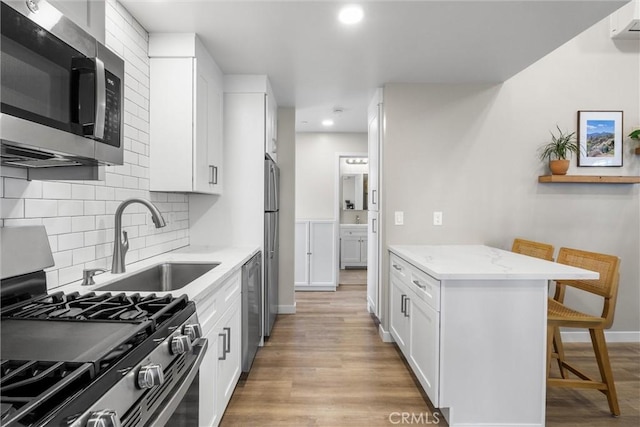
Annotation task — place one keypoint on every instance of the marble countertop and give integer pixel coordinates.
(230, 259)
(478, 262)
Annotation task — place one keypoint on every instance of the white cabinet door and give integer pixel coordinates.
(228, 354)
(185, 116)
(322, 259)
(425, 347)
(88, 14)
(399, 314)
(372, 264)
(301, 272)
(374, 137)
(363, 250)
(271, 137)
(315, 257)
(350, 250)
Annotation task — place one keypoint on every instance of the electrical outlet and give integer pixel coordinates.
(437, 218)
(399, 218)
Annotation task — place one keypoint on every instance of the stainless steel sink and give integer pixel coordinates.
(164, 277)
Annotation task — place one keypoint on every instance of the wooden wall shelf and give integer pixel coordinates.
(589, 179)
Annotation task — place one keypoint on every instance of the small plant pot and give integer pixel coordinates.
(559, 167)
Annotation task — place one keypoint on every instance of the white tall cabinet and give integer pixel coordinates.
(185, 117)
(375, 134)
(315, 255)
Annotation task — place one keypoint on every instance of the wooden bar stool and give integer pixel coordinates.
(559, 315)
(534, 249)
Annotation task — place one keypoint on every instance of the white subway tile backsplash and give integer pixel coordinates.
(82, 255)
(63, 259)
(83, 223)
(22, 189)
(83, 191)
(79, 215)
(57, 225)
(22, 222)
(70, 241)
(39, 208)
(105, 193)
(56, 190)
(70, 207)
(95, 207)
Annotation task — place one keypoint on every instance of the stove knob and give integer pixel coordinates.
(193, 331)
(180, 344)
(105, 418)
(150, 376)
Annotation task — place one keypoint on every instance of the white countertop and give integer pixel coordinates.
(354, 225)
(229, 258)
(478, 262)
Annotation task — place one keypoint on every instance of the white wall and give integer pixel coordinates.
(287, 165)
(79, 216)
(470, 151)
(316, 169)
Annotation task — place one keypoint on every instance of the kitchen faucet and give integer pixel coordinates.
(121, 242)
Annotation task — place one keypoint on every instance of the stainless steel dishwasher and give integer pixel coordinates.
(251, 309)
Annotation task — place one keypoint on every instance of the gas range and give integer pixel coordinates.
(93, 359)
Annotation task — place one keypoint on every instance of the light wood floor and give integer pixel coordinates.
(355, 276)
(326, 366)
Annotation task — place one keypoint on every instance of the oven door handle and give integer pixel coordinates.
(168, 410)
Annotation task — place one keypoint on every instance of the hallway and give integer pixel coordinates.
(326, 366)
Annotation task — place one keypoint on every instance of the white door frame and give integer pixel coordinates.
(337, 206)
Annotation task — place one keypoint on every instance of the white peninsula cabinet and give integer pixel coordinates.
(471, 322)
(185, 117)
(220, 318)
(315, 256)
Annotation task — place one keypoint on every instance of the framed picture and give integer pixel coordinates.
(600, 138)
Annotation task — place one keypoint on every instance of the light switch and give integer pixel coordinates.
(437, 218)
(399, 217)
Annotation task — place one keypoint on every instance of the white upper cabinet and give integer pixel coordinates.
(88, 14)
(271, 137)
(186, 107)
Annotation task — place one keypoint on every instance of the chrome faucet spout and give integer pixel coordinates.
(120, 241)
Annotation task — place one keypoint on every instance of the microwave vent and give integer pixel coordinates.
(26, 158)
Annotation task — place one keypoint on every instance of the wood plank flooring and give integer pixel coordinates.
(326, 366)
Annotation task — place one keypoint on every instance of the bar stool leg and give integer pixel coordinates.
(602, 357)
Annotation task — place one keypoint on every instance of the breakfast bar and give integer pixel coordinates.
(471, 321)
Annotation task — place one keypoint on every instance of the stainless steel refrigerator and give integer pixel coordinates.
(271, 202)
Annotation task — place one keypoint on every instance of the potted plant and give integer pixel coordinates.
(635, 135)
(561, 146)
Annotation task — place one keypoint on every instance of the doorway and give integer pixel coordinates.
(352, 174)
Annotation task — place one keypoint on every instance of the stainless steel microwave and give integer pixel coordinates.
(61, 91)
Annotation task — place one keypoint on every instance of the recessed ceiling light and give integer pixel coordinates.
(327, 122)
(350, 15)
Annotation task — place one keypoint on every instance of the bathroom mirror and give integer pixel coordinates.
(354, 191)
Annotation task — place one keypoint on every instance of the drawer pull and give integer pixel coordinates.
(402, 298)
(417, 283)
(397, 267)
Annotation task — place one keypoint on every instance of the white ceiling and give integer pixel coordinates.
(316, 64)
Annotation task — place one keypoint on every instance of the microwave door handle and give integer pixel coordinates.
(101, 99)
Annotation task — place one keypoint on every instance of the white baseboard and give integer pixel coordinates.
(385, 336)
(287, 309)
(610, 336)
